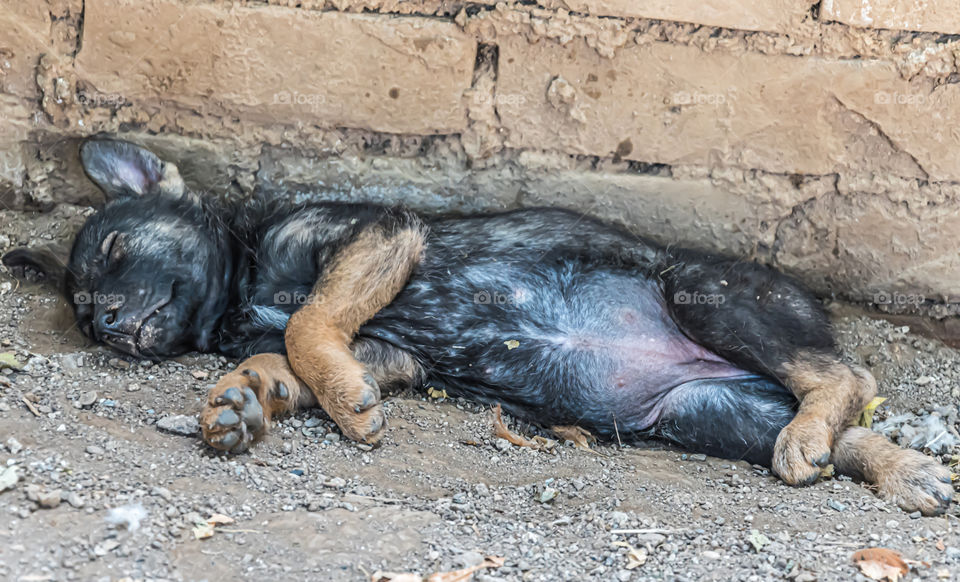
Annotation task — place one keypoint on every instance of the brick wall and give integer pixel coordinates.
(819, 137)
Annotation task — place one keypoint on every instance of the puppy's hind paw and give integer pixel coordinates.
(916, 482)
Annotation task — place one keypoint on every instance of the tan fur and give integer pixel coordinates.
(831, 395)
(365, 278)
(906, 477)
(270, 370)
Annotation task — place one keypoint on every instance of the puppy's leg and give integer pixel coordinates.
(239, 408)
(906, 477)
(364, 278)
(831, 396)
(765, 322)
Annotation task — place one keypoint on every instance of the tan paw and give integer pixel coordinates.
(915, 482)
(356, 408)
(240, 406)
(802, 450)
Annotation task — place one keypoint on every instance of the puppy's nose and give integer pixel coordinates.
(112, 322)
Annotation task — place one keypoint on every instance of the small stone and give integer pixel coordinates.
(710, 555)
(8, 478)
(332, 437)
(923, 380)
(95, 450)
(162, 492)
(312, 422)
(916, 515)
(49, 499)
(119, 364)
(133, 388)
(468, 559)
(200, 374)
(86, 400)
(698, 457)
(74, 499)
(502, 444)
(179, 424)
(836, 505)
(14, 446)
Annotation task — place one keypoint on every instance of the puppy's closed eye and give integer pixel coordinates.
(111, 249)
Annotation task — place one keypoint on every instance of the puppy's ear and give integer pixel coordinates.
(121, 168)
(50, 261)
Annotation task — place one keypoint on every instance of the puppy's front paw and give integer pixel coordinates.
(356, 408)
(240, 406)
(802, 450)
(915, 482)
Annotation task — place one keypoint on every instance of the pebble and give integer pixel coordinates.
(179, 424)
(14, 446)
(95, 450)
(73, 498)
(710, 555)
(86, 400)
(836, 505)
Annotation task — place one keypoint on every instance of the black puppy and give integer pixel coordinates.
(562, 319)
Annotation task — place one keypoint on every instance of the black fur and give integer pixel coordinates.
(561, 318)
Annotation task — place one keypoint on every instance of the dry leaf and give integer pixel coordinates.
(202, 531)
(827, 472)
(758, 540)
(940, 545)
(880, 564)
(220, 519)
(8, 360)
(511, 344)
(580, 438)
(434, 393)
(866, 416)
(636, 557)
(463, 575)
(500, 430)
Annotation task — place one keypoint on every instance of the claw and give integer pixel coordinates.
(823, 461)
(232, 396)
(227, 418)
(281, 391)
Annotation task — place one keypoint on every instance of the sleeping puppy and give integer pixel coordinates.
(562, 319)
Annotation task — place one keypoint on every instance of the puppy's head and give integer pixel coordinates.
(147, 274)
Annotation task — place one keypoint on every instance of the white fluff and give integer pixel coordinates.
(128, 516)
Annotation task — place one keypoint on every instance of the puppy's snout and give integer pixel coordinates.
(113, 322)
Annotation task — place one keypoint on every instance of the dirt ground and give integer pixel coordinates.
(102, 493)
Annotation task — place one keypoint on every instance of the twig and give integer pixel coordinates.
(30, 406)
(617, 430)
(225, 530)
(373, 498)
